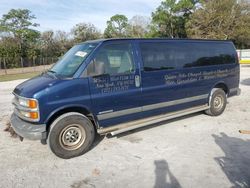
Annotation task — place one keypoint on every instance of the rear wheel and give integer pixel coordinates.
(218, 102)
(71, 135)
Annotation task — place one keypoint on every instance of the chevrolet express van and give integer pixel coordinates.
(115, 85)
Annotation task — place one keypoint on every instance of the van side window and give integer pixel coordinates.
(207, 54)
(157, 56)
(174, 55)
(112, 59)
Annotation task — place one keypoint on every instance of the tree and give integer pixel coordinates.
(54, 44)
(138, 26)
(8, 47)
(63, 42)
(47, 45)
(170, 17)
(9, 53)
(85, 31)
(18, 23)
(116, 27)
(222, 19)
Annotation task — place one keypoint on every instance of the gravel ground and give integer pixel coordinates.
(194, 151)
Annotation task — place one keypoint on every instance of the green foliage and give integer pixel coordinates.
(9, 48)
(213, 19)
(222, 19)
(47, 44)
(116, 27)
(17, 20)
(53, 44)
(83, 32)
(170, 17)
(18, 23)
(62, 43)
(138, 26)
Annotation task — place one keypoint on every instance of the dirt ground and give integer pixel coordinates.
(194, 151)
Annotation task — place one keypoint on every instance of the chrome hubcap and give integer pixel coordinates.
(72, 137)
(218, 102)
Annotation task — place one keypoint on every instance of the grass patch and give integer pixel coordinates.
(9, 77)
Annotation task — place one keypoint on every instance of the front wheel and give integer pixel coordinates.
(218, 102)
(71, 135)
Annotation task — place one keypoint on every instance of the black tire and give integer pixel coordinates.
(71, 135)
(218, 102)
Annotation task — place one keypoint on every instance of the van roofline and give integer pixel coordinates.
(152, 39)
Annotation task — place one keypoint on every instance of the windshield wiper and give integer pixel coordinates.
(53, 73)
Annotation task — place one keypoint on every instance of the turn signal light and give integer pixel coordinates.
(32, 103)
(33, 115)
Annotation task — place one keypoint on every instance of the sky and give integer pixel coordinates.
(64, 14)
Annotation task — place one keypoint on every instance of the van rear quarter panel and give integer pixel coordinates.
(166, 86)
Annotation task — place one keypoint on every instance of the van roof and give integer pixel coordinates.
(155, 39)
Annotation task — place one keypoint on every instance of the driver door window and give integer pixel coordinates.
(112, 59)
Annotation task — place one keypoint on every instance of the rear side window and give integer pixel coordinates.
(157, 56)
(174, 55)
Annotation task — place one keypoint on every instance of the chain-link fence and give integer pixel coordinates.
(15, 65)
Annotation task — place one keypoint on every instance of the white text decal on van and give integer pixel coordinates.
(81, 54)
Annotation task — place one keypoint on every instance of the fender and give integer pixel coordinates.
(221, 82)
(70, 106)
(213, 89)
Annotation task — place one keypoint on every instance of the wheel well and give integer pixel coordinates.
(222, 86)
(71, 109)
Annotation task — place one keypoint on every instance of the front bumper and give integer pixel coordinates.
(28, 130)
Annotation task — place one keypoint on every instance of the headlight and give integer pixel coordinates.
(26, 108)
(30, 103)
(31, 115)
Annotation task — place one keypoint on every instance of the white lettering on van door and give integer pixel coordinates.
(114, 83)
(183, 78)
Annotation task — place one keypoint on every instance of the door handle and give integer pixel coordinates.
(137, 81)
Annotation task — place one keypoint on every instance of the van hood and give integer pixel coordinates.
(31, 87)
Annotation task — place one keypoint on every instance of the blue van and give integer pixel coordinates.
(115, 85)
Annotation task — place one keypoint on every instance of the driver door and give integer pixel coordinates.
(114, 83)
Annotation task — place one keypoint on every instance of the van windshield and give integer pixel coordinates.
(71, 61)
